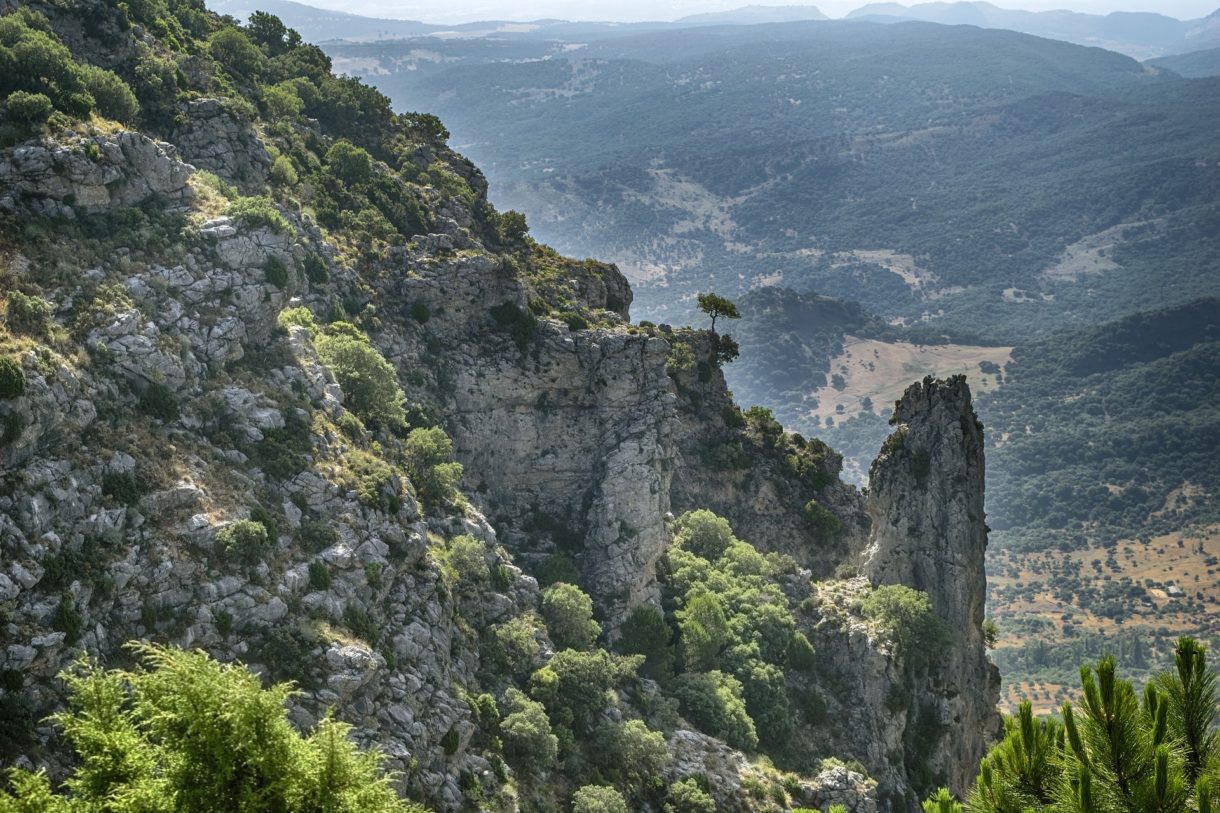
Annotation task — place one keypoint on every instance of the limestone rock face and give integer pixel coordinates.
(929, 532)
(213, 139)
(59, 178)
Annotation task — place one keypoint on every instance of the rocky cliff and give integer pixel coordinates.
(217, 389)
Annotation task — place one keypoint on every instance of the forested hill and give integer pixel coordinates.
(1018, 184)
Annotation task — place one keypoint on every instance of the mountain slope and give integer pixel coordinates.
(310, 403)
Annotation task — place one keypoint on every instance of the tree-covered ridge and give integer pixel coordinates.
(817, 140)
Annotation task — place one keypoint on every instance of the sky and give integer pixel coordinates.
(454, 11)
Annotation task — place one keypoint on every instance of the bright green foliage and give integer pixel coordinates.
(705, 631)
(717, 306)
(713, 703)
(290, 317)
(244, 541)
(283, 173)
(906, 616)
(512, 227)
(529, 744)
(234, 50)
(1023, 770)
(32, 59)
(573, 685)
(1113, 753)
(466, 558)
(942, 802)
(516, 645)
(703, 533)
(12, 377)
(27, 314)
(258, 211)
(687, 797)
(113, 97)
(638, 754)
(598, 799)
(568, 611)
(186, 734)
(368, 380)
(1121, 747)
(29, 108)
(429, 454)
(736, 630)
(1191, 691)
(283, 100)
(349, 163)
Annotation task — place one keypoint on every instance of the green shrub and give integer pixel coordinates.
(265, 518)
(319, 576)
(529, 743)
(12, 378)
(244, 541)
(122, 487)
(906, 616)
(158, 401)
(703, 533)
(316, 535)
(29, 108)
(276, 272)
(598, 799)
(574, 684)
(515, 647)
(361, 622)
(296, 317)
(315, 270)
(705, 631)
(638, 754)
(519, 324)
(420, 312)
(27, 314)
(821, 519)
(646, 633)
(373, 480)
(112, 95)
(686, 796)
(467, 561)
(713, 702)
(183, 727)
(283, 173)
(234, 50)
(348, 163)
(259, 212)
(800, 652)
(67, 619)
(568, 612)
(558, 567)
(429, 454)
(368, 380)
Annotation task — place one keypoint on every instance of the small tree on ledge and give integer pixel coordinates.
(716, 306)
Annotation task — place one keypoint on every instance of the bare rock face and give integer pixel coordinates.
(214, 140)
(929, 533)
(59, 178)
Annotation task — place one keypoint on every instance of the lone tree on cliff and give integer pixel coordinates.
(716, 306)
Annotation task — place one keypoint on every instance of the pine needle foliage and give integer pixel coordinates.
(1115, 750)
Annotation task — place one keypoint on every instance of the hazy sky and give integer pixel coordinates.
(450, 11)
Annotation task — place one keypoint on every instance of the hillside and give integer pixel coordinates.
(279, 384)
(1137, 34)
(738, 156)
(1196, 64)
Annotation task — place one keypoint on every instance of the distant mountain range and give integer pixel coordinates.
(1140, 35)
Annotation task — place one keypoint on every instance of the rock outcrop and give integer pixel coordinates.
(929, 532)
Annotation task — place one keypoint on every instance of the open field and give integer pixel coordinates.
(1099, 598)
(880, 371)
